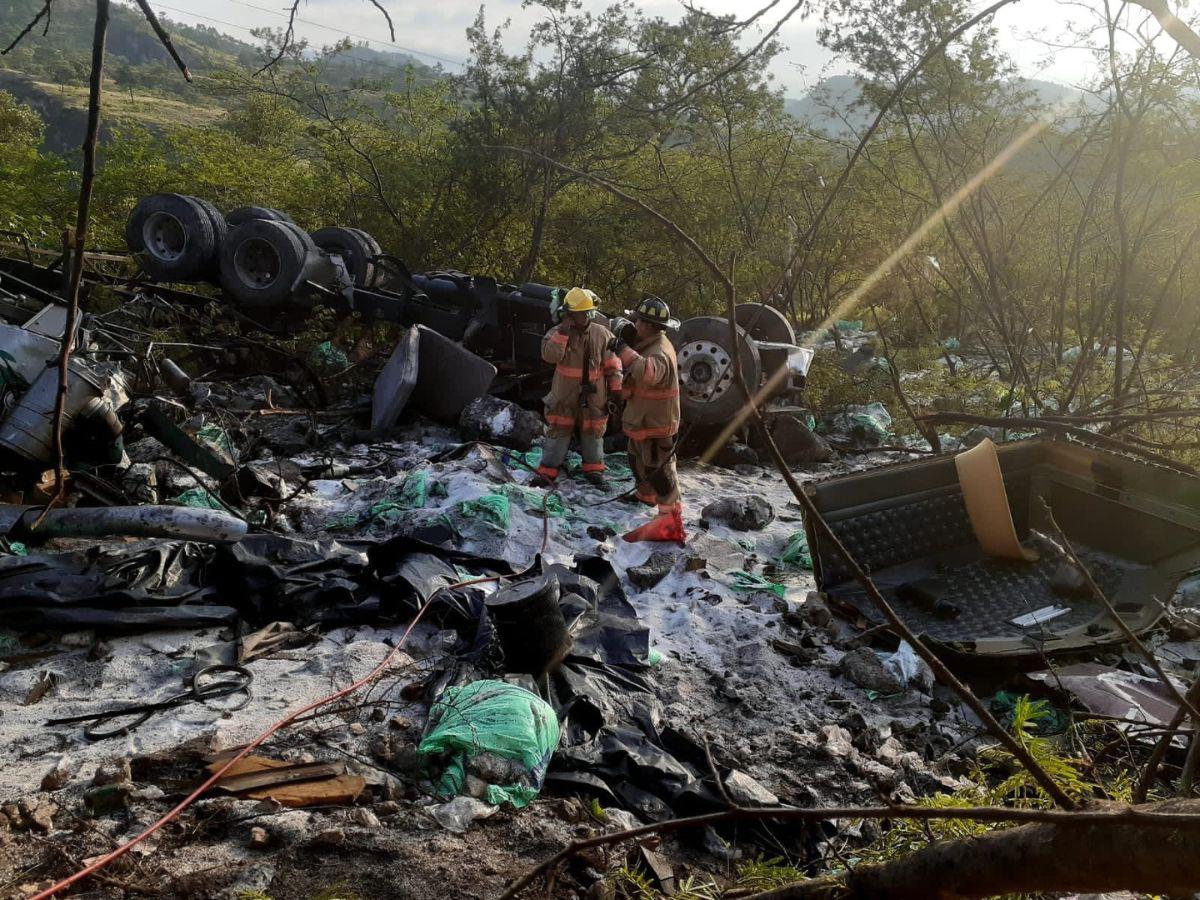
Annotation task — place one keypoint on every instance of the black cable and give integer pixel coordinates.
(198, 691)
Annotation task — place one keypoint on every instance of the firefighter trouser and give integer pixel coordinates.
(554, 451)
(653, 464)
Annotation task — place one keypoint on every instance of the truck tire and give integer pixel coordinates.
(265, 261)
(236, 217)
(764, 323)
(171, 237)
(709, 393)
(220, 230)
(355, 247)
(767, 325)
(376, 251)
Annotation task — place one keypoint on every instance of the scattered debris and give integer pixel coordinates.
(798, 443)
(736, 454)
(745, 791)
(459, 814)
(500, 422)
(490, 737)
(531, 627)
(1106, 691)
(231, 486)
(36, 812)
(908, 668)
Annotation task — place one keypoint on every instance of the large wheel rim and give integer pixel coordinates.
(164, 237)
(256, 263)
(705, 371)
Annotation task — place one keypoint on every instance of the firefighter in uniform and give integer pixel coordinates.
(586, 372)
(651, 418)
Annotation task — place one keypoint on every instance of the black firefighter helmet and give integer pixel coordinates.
(655, 311)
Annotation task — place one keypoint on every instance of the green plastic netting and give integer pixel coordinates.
(747, 581)
(492, 509)
(477, 727)
(796, 553)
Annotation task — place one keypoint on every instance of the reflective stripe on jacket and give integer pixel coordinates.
(651, 390)
(570, 352)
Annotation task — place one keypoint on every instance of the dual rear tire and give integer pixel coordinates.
(258, 255)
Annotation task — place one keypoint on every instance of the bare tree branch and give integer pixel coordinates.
(737, 63)
(1032, 859)
(1060, 426)
(805, 243)
(927, 431)
(163, 37)
(44, 12)
(87, 179)
(289, 33)
(1172, 25)
(1174, 691)
(391, 27)
(737, 24)
(285, 44)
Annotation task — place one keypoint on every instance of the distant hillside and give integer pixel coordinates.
(49, 72)
(833, 107)
(823, 107)
(62, 55)
(63, 107)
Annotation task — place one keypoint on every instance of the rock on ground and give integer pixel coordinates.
(745, 791)
(798, 444)
(738, 513)
(500, 422)
(735, 454)
(866, 669)
(655, 569)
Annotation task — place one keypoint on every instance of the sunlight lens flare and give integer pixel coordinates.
(952, 203)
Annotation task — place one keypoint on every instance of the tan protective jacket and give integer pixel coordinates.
(651, 390)
(567, 351)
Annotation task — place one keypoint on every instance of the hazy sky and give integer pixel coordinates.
(434, 31)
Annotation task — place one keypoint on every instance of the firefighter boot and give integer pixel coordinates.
(666, 526)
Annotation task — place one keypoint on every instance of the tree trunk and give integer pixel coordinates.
(529, 263)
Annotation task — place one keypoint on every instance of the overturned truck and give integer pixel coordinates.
(265, 263)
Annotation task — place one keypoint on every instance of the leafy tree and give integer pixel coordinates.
(35, 197)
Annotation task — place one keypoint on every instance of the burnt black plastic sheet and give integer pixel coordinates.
(124, 620)
(131, 588)
(615, 745)
(262, 578)
(294, 579)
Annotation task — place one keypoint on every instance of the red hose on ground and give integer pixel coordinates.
(245, 751)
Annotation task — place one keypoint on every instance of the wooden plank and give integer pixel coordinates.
(296, 786)
(276, 774)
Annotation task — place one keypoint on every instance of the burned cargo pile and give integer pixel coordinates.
(301, 578)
